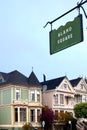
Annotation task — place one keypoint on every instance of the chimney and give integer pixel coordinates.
(44, 77)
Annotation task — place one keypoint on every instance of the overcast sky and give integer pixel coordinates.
(24, 43)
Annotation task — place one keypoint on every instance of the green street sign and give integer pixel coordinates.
(66, 36)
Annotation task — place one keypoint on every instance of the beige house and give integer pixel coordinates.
(80, 87)
(60, 94)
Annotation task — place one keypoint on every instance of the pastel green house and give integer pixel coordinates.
(20, 100)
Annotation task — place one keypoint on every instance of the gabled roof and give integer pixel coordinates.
(15, 77)
(32, 80)
(52, 84)
(74, 82)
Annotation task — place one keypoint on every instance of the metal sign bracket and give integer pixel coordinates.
(79, 5)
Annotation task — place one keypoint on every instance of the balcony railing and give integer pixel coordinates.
(20, 102)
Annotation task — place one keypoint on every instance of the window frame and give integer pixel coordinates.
(23, 116)
(61, 99)
(56, 99)
(38, 95)
(32, 95)
(32, 115)
(16, 114)
(19, 114)
(17, 94)
(38, 115)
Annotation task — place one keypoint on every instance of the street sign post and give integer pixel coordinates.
(66, 36)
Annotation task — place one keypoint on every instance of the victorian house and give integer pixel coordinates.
(20, 100)
(80, 86)
(61, 94)
(58, 94)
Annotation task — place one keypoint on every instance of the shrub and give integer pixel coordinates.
(27, 126)
(64, 117)
(81, 110)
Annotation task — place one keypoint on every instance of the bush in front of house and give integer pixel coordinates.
(27, 126)
(81, 110)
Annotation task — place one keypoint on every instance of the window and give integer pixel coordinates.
(65, 86)
(84, 98)
(61, 111)
(56, 99)
(67, 100)
(16, 114)
(22, 114)
(32, 114)
(38, 95)
(61, 99)
(38, 115)
(56, 114)
(17, 94)
(32, 95)
(78, 98)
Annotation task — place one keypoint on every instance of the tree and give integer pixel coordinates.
(68, 116)
(47, 116)
(80, 110)
(64, 117)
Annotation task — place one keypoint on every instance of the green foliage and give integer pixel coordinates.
(68, 116)
(64, 117)
(27, 126)
(61, 117)
(80, 110)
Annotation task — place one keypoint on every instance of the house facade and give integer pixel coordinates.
(80, 87)
(20, 100)
(61, 94)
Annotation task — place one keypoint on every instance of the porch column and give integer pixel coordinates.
(18, 114)
(36, 115)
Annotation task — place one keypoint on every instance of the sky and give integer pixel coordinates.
(24, 43)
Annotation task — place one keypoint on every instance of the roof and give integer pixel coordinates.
(32, 80)
(53, 83)
(15, 77)
(4, 75)
(75, 82)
